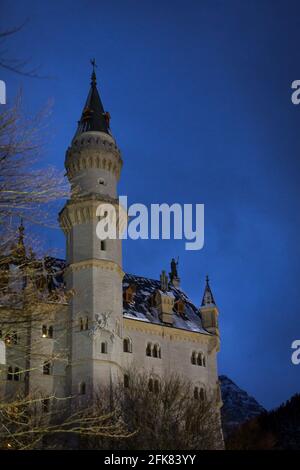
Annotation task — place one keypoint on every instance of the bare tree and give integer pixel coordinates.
(19, 66)
(161, 415)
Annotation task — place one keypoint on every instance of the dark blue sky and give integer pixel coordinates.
(199, 94)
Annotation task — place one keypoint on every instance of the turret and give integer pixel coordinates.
(94, 267)
(209, 311)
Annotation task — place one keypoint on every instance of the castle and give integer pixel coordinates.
(113, 321)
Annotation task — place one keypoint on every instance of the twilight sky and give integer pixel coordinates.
(199, 95)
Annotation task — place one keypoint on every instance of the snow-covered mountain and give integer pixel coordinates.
(238, 406)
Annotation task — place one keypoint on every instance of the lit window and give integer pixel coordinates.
(44, 331)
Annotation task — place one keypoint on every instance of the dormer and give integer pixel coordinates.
(164, 302)
(179, 307)
(129, 293)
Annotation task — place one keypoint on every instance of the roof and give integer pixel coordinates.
(140, 308)
(93, 117)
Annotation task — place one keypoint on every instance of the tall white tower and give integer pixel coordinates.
(94, 267)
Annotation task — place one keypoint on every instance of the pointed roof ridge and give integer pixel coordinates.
(93, 117)
(208, 297)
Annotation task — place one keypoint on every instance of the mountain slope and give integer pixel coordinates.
(238, 406)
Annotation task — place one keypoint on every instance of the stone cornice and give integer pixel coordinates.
(107, 265)
(167, 331)
(83, 209)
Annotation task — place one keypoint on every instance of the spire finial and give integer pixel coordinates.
(93, 77)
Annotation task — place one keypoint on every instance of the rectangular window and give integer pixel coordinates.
(103, 245)
(47, 368)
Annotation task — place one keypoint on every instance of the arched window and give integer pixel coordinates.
(148, 350)
(14, 337)
(44, 331)
(81, 323)
(50, 332)
(156, 386)
(196, 393)
(204, 361)
(127, 347)
(156, 350)
(193, 358)
(126, 381)
(82, 388)
(10, 373)
(45, 405)
(199, 359)
(104, 347)
(150, 385)
(86, 326)
(17, 374)
(46, 368)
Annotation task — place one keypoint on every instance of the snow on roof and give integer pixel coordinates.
(140, 308)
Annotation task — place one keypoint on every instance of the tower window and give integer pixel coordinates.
(196, 393)
(150, 385)
(202, 394)
(126, 381)
(127, 345)
(104, 347)
(82, 388)
(86, 325)
(81, 324)
(102, 245)
(156, 387)
(101, 181)
(47, 332)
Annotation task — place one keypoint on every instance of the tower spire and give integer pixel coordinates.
(93, 117)
(208, 297)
